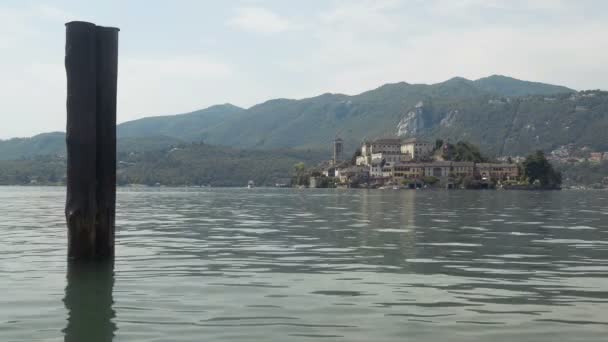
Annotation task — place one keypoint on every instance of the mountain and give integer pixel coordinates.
(393, 109)
(192, 126)
(514, 126)
(503, 115)
(509, 87)
(38, 145)
(455, 109)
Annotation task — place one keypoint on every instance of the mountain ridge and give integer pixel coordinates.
(485, 111)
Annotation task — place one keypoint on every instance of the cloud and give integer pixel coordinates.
(31, 18)
(360, 45)
(361, 16)
(259, 20)
(183, 66)
(330, 46)
(523, 5)
(171, 84)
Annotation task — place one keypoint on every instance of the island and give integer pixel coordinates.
(416, 163)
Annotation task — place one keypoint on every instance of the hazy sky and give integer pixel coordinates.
(177, 56)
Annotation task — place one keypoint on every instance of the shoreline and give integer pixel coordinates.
(572, 188)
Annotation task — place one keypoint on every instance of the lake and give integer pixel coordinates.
(304, 265)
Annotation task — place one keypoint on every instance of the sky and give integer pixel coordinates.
(182, 55)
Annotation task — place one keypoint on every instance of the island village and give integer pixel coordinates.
(412, 163)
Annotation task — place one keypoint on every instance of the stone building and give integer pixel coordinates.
(493, 171)
(417, 149)
(463, 169)
(440, 169)
(407, 171)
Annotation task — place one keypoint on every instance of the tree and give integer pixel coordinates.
(407, 181)
(299, 167)
(438, 144)
(430, 180)
(300, 175)
(537, 167)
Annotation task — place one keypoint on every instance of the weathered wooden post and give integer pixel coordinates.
(107, 72)
(91, 62)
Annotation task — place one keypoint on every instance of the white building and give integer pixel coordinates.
(417, 149)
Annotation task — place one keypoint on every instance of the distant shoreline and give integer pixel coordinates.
(574, 188)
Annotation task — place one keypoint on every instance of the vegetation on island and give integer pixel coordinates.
(461, 151)
(301, 176)
(537, 171)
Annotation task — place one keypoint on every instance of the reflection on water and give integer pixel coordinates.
(88, 299)
(290, 265)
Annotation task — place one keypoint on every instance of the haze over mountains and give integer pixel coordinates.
(504, 116)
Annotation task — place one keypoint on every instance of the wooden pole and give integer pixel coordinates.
(107, 72)
(81, 138)
(91, 63)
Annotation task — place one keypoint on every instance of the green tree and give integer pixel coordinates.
(430, 180)
(438, 144)
(301, 177)
(537, 167)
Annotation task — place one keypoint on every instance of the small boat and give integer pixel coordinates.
(250, 184)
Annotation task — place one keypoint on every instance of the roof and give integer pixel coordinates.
(461, 163)
(387, 141)
(410, 165)
(495, 165)
(439, 164)
(392, 153)
(416, 140)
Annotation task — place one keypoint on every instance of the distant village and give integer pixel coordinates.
(412, 163)
(571, 154)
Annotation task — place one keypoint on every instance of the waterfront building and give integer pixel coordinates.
(440, 169)
(359, 174)
(375, 169)
(407, 171)
(463, 169)
(494, 171)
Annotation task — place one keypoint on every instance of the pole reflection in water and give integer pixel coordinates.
(88, 299)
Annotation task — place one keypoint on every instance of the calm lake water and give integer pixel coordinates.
(303, 265)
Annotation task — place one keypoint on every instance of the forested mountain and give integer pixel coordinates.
(185, 164)
(192, 126)
(201, 164)
(508, 86)
(138, 135)
(53, 144)
(502, 115)
(39, 145)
